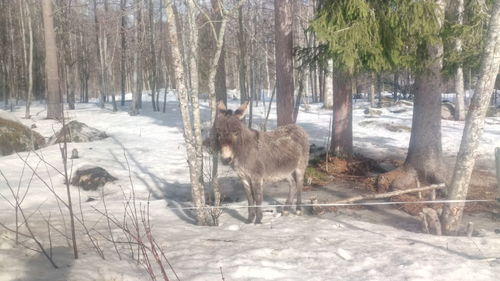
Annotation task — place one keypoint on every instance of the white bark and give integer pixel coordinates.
(459, 74)
(30, 62)
(328, 100)
(474, 124)
(197, 190)
(371, 97)
(193, 58)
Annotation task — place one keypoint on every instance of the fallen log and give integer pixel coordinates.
(390, 194)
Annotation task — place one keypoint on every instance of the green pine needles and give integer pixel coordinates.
(377, 35)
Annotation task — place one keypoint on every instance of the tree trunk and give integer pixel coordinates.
(371, 96)
(328, 95)
(193, 58)
(459, 74)
(242, 57)
(220, 76)
(54, 99)
(425, 150)
(154, 74)
(123, 54)
(108, 68)
(100, 59)
(197, 190)
(341, 142)
(284, 61)
(474, 124)
(30, 62)
(136, 97)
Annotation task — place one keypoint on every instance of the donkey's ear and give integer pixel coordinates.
(240, 112)
(221, 107)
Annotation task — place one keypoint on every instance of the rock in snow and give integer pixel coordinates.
(14, 136)
(90, 177)
(78, 132)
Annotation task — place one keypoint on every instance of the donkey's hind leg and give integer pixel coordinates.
(291, 195)
(258, 195)
(299, 180)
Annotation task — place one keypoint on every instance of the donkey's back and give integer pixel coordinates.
(283, 151)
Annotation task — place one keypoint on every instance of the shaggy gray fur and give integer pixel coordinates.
(259, 157)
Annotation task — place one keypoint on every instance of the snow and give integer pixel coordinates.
(328, 247)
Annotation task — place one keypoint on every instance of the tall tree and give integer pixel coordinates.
(54, 98)
(425, 153)
(123, 55)
(242, 68)
(474, 124)
(284, 61)
(197, 190)
(220, 76)
(100, 57)
(153, 80)
(29, 93)
(136, 97)
(459, 73)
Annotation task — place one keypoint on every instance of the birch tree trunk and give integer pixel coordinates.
(474, 124)
(100, 61)
(193, 58)
(459, 74)
(54, 99)
(371, 96)
(197, 190)
(136, 97)
(328, 100)
(123, 54)
(154, 73)
(242, 71)
(220, 76)
(30, 62)
(108, 68)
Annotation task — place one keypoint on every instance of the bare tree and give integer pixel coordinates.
(30, 60)
(284, 61)
(123, 55)
(242, 69)
(54, 98)
(474, 124)
(459, 74)
(197, 190)
(136, 97)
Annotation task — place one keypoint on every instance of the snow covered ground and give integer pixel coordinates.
(330, 247)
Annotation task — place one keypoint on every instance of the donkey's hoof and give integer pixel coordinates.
(249, 221)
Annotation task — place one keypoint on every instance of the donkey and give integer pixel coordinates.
(258, 157)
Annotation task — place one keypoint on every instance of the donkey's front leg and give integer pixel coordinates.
(257, 187)
(248, 192)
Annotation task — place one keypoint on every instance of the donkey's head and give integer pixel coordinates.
(228, 129)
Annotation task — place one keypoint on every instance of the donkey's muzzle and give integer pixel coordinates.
(226, 161)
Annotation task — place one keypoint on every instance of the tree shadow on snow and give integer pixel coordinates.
(39, 268)
(177, 195)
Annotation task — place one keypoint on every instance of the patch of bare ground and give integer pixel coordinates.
(360, 174)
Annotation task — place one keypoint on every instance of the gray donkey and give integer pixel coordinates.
(258, 157)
